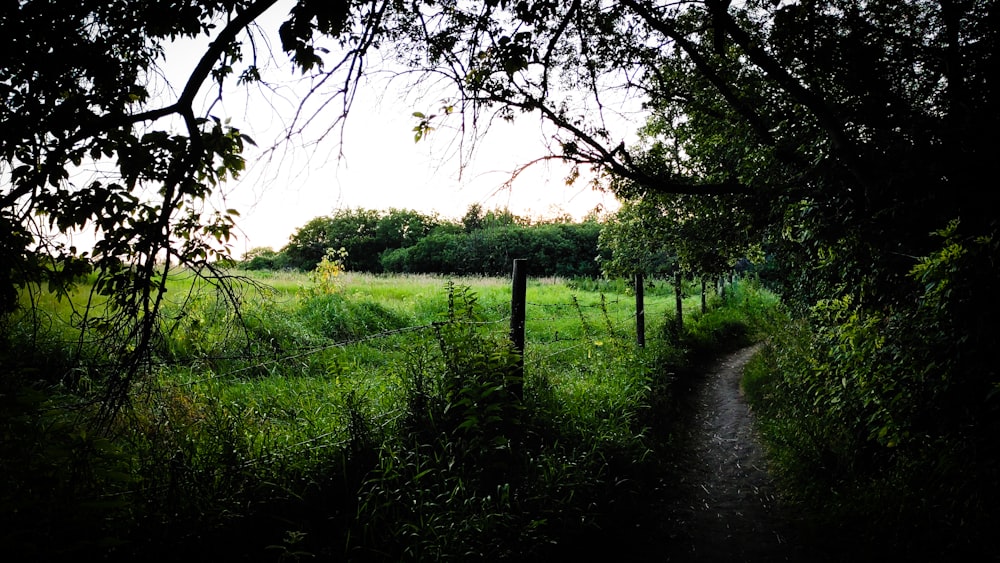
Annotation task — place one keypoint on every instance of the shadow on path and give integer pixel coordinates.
(709, 497)
(720, 503)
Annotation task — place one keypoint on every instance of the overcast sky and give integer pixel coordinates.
(381, 165)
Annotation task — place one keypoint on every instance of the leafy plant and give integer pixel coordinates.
(324, 276)
(442, 488)
(881, 411)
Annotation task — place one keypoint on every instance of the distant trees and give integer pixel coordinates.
(563, 249)
(476, 218)
(264, 258)
(363, 233)
(483, 242)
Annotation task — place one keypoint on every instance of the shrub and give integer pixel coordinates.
(442, 489)
(890, 411)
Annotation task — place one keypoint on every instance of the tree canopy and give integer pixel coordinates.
(853, 129)
(871, 119)
(482, 243)
(364, 234)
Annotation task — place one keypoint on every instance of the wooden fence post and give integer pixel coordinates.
(679, 297)
(640, 312)
(519, 285)
(704, 298)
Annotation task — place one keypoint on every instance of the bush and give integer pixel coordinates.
(891, 412)
(443, 487)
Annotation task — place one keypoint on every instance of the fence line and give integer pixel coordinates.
(314, 443)
(317, 443)
(305, 352)
(537, 361)
(574, 305)
(518, 317)
(291, 447)
(583, 341)
(619, 325)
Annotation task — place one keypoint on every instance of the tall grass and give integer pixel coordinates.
(373, 421)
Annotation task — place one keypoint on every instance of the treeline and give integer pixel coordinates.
(482, 242)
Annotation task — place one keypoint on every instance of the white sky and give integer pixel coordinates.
(382, 166)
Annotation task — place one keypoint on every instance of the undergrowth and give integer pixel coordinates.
(881, 421)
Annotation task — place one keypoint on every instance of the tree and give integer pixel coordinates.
(402, 228)
(364, 234)
(308, 244)
(871, 121)
(87, 146)
(262, 258)
(844, 134)
(76, 97)
(636, 239)
(659, 234)
(672, 235)
(476, 218)
(473, 218)
(562, 249)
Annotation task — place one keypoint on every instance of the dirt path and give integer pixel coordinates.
(723, 505)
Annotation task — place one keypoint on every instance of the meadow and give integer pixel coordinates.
(361, 417)
(303, 350)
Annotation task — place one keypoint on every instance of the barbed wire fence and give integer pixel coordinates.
(591, 333)
(517, 319)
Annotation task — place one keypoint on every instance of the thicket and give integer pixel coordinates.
(363, 234)
(887, 417)
(318, 422)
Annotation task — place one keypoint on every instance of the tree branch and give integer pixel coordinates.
(844, 146)
(757, 124)
(547, 59)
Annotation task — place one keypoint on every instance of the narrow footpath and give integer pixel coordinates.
(722, 504)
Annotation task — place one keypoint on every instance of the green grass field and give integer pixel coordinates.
(307, 351)
(373, 407)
